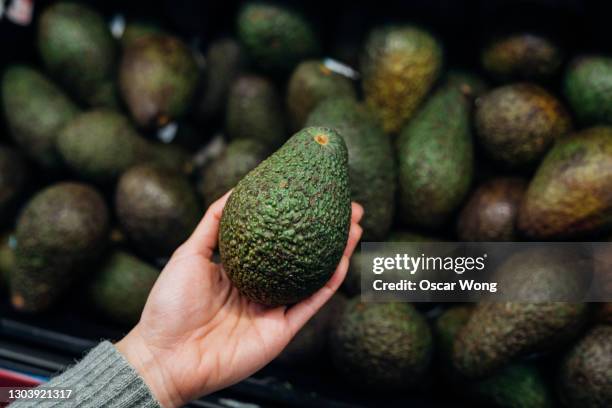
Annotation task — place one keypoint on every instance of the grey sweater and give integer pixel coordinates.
(103, 378)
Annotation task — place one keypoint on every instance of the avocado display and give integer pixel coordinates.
(310, 83)
(13, 178)
(586, 377)
(399, 66)
(157, 208)
(275, 37)
(587, 85)
(62, 228)
(382, 346)
(101, 144)
(436, 160)
(522, 56)
(223, 173)
(467, 82)
(516, 124)
(35, 110)
(285, 225)
(372, 172)
(254, 111)
(490, 213)
(158, 76)
(568, 195)
(77, 48)
(121, 286)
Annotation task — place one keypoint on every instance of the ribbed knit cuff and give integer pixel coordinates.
(103, 378)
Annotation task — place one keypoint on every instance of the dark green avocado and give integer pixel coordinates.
(587, 85)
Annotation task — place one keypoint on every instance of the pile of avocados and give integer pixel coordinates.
(114, 143)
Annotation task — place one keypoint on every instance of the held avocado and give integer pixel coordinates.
(285, 225)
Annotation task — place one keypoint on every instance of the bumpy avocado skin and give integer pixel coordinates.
(516, 124)
(587, 85)
(77, 48)
(157, 208)
(586, 376)
(568, 195)
(436, 160)
(158, 77)
(285, 225)
(382, 346)
(99, 145)
(254, 111)
(372, 171)
(121, 286)
(35, 110)
(399, 66)
(467, 82)
(222, 174)
(275, 38)
(62, 228)
(522, 56)
(13, 178)
(311, 83)
(490, 213)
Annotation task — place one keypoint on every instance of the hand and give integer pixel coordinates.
(198, 334)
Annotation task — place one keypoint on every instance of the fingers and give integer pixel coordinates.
(356, 212)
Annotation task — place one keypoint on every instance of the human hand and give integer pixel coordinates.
(198, 334)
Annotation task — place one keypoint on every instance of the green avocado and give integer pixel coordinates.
(157, 208)
(60, 231)
(285, 225)
(382, 346)
(275, 37)
(254, 111)
(13, 178)
(35, 110)
(158, 77)
(372, 172)
(587, 85)
(78, 49)
(121, 286)
(568, 195)
(586, 374)
(399, 66)
(436, 160)
(516, 124)
(311, 83)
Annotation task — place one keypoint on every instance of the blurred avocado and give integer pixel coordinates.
(35, 110)
(587, 85)
(158, 76)
(77, 48)
(172, 157)
(516, 124)
(467, 82)
(311, 83)
(399, 67)
(60, 232)
(137, 29)
(275, 37)
(157, 208)
(13, 178)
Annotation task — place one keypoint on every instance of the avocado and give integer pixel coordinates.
(490, 213)
(467, 82)
(158, 76)
(101, 144)
(157, 208)
(35, 110)
(587, 85)
(586, 377)
(285, 225)
(310, 342)
(137, 29)
(522, 56)
(254, 111)
(78, 49)
(399, 66)
(224, 172)
(121, 286)
(381, 346)
(436, 160)
(13, 178)
(372, 172)
(567, 196)
(60, 231)
(310, 83)
(172, 157)
(275, 37)
(516, 124)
